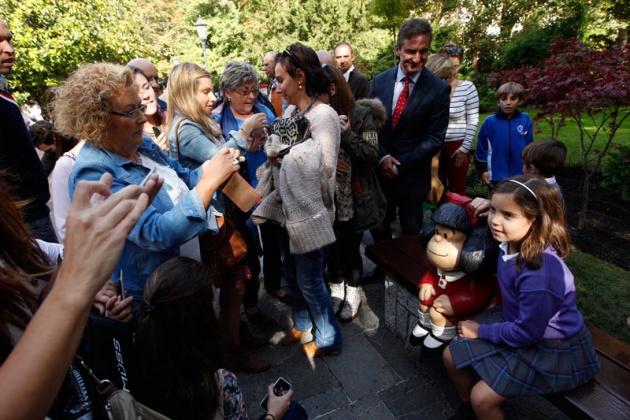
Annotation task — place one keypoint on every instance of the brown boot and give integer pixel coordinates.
(239, 359)
(292, 337)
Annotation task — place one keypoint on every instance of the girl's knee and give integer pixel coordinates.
(447, 358)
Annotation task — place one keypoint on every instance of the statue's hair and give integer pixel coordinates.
(479, 251)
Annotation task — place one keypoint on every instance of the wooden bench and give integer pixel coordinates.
(607, 396)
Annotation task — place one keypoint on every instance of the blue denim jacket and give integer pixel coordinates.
(194, 144)
(163, 227)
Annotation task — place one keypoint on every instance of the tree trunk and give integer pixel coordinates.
(585, 187)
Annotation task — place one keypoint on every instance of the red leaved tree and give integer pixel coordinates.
(588, 86)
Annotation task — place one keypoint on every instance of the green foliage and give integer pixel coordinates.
(616, 170)
(53, 38)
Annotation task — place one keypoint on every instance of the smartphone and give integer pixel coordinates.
(146, 178)
(156, 131)
(121, 285)
(280, 387)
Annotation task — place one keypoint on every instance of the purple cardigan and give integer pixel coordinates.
(537, 304)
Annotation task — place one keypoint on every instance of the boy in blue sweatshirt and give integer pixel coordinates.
(503, 136)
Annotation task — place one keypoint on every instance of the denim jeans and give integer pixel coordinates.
(43, 229)
(304, 274)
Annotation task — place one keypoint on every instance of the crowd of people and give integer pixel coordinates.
(139, 177)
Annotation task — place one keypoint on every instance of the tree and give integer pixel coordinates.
(54, 38)
(591, 87)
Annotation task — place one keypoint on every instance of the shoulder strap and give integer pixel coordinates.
(177, 137)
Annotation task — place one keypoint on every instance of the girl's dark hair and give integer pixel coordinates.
(159, 118)
(297, 56)
(542, 206)
(22, 261)
(342, 101)
(178, 341)
(479, 252)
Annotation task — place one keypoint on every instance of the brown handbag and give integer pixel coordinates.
(222, 250)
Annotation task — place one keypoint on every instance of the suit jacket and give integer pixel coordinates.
(420, 131)
(359, 84)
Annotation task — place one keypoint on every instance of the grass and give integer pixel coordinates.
(602, 293)
(570, 135)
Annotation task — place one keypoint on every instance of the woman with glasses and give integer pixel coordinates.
(298, 186)
(239, 84)
(462, 127)
(194, 137)
(99, 103)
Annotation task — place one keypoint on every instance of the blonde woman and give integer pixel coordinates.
(194, 137)
(462, 126)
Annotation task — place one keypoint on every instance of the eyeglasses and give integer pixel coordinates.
(131, 114)
(156, 78)
(452, 51)
(246, 92)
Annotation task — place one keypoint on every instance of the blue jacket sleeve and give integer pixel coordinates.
(481, 153)
(162, 225)
(195, 144)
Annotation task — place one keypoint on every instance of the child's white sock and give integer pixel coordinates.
(439, 335)
(423, 326)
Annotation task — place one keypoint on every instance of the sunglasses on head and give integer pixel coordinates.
(452, 51)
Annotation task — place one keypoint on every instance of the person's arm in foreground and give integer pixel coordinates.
(32, 374)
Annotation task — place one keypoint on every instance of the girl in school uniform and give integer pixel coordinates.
(535, 342)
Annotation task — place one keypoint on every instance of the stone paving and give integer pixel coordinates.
(375, 376)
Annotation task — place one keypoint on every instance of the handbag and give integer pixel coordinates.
(118, 404)
(222, 250)
(292, 130)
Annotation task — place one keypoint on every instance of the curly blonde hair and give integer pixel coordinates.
(83, 104)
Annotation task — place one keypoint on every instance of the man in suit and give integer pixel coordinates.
(359, 85)
(18, 157)
(417, 103)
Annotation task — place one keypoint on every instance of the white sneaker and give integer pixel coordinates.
(351, 304)
(337, 295)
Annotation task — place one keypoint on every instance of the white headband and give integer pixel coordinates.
(524, 186)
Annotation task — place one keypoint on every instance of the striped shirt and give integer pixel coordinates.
(464, 115)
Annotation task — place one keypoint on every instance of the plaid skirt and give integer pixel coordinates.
(547, 367)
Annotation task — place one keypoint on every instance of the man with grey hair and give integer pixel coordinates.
(151, 72)
(17, 153)
(344, 56)
(417, 103)
(269, 67)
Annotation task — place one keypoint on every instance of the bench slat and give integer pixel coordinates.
(402, 258)
(610, 347)
(596, 399)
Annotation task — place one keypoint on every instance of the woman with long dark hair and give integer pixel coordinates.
(301, 197)
(356, 180)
